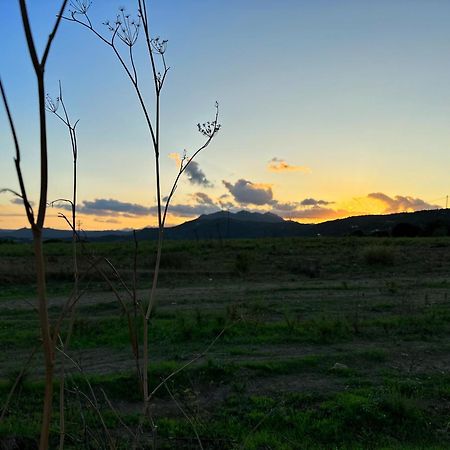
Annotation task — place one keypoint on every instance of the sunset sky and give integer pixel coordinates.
(328, 109)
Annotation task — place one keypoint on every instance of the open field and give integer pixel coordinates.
(325, 343)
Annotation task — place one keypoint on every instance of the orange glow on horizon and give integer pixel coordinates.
(12, 216)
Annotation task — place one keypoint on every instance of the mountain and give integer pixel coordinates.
(243, 216)
(226, 225)
(245, 224)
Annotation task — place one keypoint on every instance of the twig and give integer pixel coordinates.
(258, 424)
(116, 413)
(194, 428)
(196, 358)
(17, 381)
(93, 402)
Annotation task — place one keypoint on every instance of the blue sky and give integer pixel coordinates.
(357, 92)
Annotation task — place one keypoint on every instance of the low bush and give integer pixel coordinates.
(378, 255)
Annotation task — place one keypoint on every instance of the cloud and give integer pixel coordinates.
(246, 192)
(193, 172)
(19, 201)
(314, 202)
(186, 210)
(280, 165)
(109, 207)
(107, 220)
(202, 198)
(196, 176)
(285, 207)
(401, 203)
(107, 210)
(176, 157)
(226, 206)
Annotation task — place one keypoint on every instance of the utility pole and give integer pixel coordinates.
(446, 202)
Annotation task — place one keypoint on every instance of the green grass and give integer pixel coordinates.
(351, 355)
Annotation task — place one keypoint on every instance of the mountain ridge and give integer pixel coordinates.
(246, 224)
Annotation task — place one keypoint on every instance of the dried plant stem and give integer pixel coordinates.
(155, 48)
(187, 417)
(19, 377)
(49, 356)
(92, 400)
(53, 107)
(38, 223)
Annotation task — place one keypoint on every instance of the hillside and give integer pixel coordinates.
(244, 224)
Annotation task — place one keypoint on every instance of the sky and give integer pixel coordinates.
(328, 109)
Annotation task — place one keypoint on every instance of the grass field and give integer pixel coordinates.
(325, 343)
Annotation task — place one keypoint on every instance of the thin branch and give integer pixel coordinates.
(19, 377)
(183, 166)
(108, 401)
(121, 280)
(63, 216)
(59, 200)
(23, 196)
(111, 44)
(132, 332)
(11, 191)
(11, 122)
(258, 424)
(210, 130)
(194, 428)
(29, 36)
(135, 79)
(93, 402)
(53, 33)
(72, 300)
(148, 41)
(192, 361)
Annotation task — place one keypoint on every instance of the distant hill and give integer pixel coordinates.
(24, 234)
(419, 223)
(243, 216)
(244, 224)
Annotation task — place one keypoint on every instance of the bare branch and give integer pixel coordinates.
(23, 195)
(18, 379)
(116, 413)
(29, 37)
(111, 43)
(53, 33)
(192, 361)
(212, 129)
(92, 401)
(10, 191)
(59, 200)
(63, 216)
(189, 419)
(80, 6)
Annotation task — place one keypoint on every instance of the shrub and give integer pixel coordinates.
(378, 255)
(242, 263)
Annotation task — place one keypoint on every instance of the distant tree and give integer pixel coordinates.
(405, 229)
(437, 227)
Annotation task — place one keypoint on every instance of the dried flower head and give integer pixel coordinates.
(79, 7)
(208, 129)
(50, 104)
(159, 45)
(126, 28)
